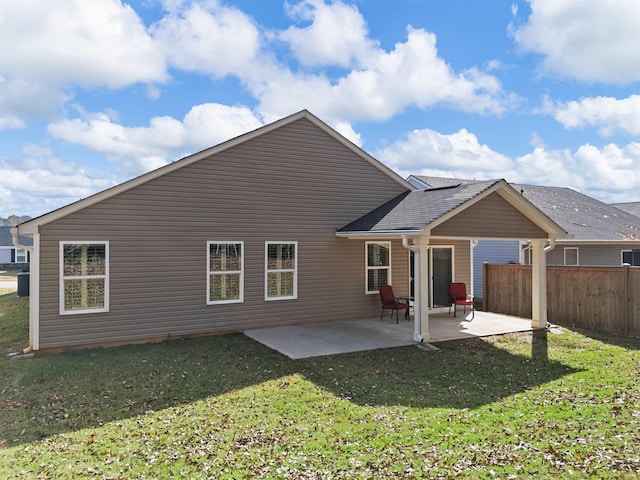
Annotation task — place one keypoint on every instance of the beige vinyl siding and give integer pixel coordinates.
(491, 217)
(295, 183)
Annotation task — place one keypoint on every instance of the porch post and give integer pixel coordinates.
(539, 285)
(422, 272)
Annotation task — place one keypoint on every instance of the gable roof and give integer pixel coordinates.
(30, 227)
(585, 217)
(6, 240)
(414, 211)
(630, 207)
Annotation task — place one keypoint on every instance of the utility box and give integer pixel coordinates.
(23, 284)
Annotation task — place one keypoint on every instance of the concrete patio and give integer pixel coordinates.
(303, 341)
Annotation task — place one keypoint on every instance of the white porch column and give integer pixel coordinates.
(422, 288)
(539, 285)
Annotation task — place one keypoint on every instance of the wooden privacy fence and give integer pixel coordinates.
(605, 299)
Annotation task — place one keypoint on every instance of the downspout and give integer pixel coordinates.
(416, 316)
(548, 248)
(17, 244)
(551, 246)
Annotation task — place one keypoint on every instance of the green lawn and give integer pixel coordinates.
(517, 406)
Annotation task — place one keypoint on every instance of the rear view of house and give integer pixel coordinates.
(288, 224)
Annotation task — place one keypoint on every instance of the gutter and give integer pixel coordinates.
(17, 244)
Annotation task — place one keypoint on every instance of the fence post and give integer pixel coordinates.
(627, 301)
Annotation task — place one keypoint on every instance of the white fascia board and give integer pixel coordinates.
(381, 235)
(613, 243)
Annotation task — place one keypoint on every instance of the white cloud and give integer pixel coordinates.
(590, 40)
(346, 130)
(336, 36)
(207, 38)
(11, 122)
(610, 173)
(40, 182)
(460, 155)
(386, 83)
(70, 43)
(139, 149)
(609, 115)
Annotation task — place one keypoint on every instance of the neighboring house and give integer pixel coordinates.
(601, 234)
(10, 256)
(630, 207)
(288, 224)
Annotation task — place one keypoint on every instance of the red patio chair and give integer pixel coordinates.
(458, 296)
(391, 302)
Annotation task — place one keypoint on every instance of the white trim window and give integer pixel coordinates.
(378, 265)
(225, 272)
(84, 277)
(281, 270)
(22, 255)
(571, 257)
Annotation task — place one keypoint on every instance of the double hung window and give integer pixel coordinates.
(225, 279)
(571, 256)
(378, 269)
(22, 256)
(281, 270)
(84, 277)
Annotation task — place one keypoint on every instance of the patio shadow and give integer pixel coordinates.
(463, 374)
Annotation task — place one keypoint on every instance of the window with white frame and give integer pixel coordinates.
(225, 279)
(281, 270)
(22, 255)
(571, 256)
(378, 265)
(631, 257)
(84, 277)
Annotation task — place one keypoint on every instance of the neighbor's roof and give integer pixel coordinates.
(414, 210)
(7, 241)
(439, 182)
(583, 216)
(630, 207)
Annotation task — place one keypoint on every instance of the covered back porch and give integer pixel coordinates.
(425, 220)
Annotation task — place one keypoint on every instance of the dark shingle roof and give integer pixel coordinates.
(583, 216)
(413, 210)
(630, 207)
(7, 241)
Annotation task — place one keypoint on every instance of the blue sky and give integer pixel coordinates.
(94, 92)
